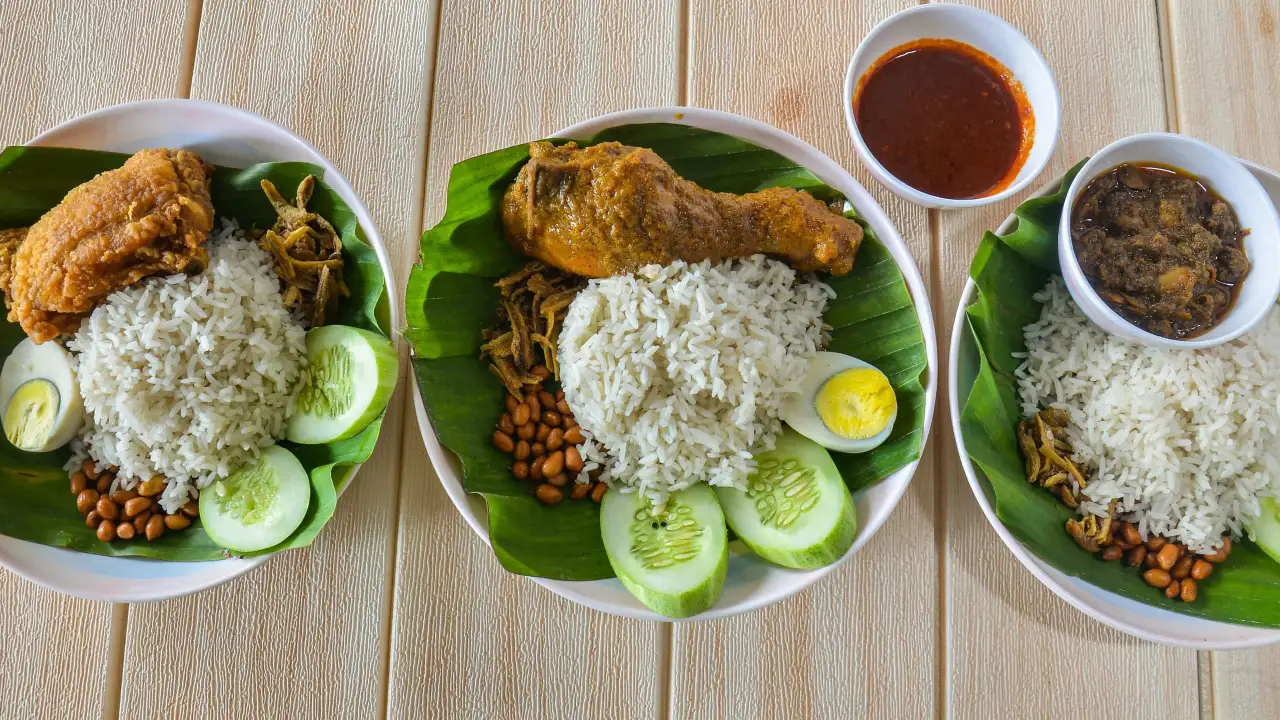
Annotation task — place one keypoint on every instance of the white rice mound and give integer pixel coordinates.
(189, 377)
(680, 371)
(1184, 440)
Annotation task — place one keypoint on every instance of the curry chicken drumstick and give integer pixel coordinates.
(611, 209)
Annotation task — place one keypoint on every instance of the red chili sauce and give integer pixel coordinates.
(945, 118)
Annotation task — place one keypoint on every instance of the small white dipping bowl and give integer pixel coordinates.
(1225, 176)
(989, 34)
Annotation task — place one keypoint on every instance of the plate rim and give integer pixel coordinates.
(473, 508)
(235, 567)
(1029, 560)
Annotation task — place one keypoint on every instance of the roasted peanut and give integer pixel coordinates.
(573, 459)
(1112, 552)
(563, 407)
(140, 522)
(540, 371)
(531, 388)
(503, 442)
(538, 449)
(551, 418)
(574, 436)
(597, 492)
(1182, 568)
(1136, 556)
(521, 415)
(1155, 542)
(104, 483)
(569, 422)
(544, 431)
(546, 398)
(1172, 589)
(78, 482)
(1189, 590)
(548, 494)
(155, 527)
(1150, 560)
(554, 464)
(88, 467)
(506, 424)
(1201, 569)
(1221, 555)
(1130, 533)
(123, 496)
(580, 490)
(125, 531)
(152, 487)
(522, 450)
(86, 500)
(560, 394)
(1156, 577)
(555, 439)
(106, 531)
(108, 508)
(525, 432)
(535, 470)
(136, 507)
(177, 521)
(535, 408)
(520, 469)
(1167, 556)
(512, 403)
(92, 519)
(557, 480)
(191, 509)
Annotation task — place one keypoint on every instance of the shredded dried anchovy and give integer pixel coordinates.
(534, 301)
(1047, 452)
(308, 254)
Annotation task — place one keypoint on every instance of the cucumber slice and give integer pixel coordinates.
(349, 379)
(1264, 530)
(674, 561)
(797, 511)
(259, 505)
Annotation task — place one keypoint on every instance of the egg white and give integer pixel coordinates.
(799, 412)
(47, 361)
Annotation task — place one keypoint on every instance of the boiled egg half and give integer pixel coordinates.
(40, 404)
(844, 404)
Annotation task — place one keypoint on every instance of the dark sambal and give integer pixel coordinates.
(945, 118)
(1161, 249)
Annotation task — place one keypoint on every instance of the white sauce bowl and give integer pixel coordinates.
(987, 33)
(1225, 176)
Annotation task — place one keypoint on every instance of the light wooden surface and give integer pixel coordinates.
(399, 610)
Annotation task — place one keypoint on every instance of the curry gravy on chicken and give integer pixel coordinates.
(1161, 249)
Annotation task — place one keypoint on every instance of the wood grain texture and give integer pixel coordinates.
(863, 641)
(472, 640)
(307, 634)
(58, 652)
(1003, 626)
(1225, 82)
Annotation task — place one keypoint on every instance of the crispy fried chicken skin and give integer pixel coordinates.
(611, 209)
(149, 217)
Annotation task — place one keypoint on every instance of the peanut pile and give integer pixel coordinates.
(125, 514)
(1169, 566)
(541, 434)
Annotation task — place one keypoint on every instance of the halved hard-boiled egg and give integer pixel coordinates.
(40, 404)
(844, 404)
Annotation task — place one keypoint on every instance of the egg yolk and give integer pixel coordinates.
(856, 404)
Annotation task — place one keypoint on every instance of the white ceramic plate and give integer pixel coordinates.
(1121, 613)
(224, 136)
(751, 583)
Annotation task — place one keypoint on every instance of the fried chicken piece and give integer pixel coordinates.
(611, 209)
(149, 217)
(10, 241)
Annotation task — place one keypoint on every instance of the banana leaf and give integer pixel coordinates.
(1008, 270)
(35, 499)
(451, 298)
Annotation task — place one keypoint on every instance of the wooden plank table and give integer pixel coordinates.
(398, 610)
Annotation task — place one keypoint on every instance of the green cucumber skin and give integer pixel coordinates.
(688, 603)
(301, 427)
(742, 515)
(1264, 530)
(822, 553)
